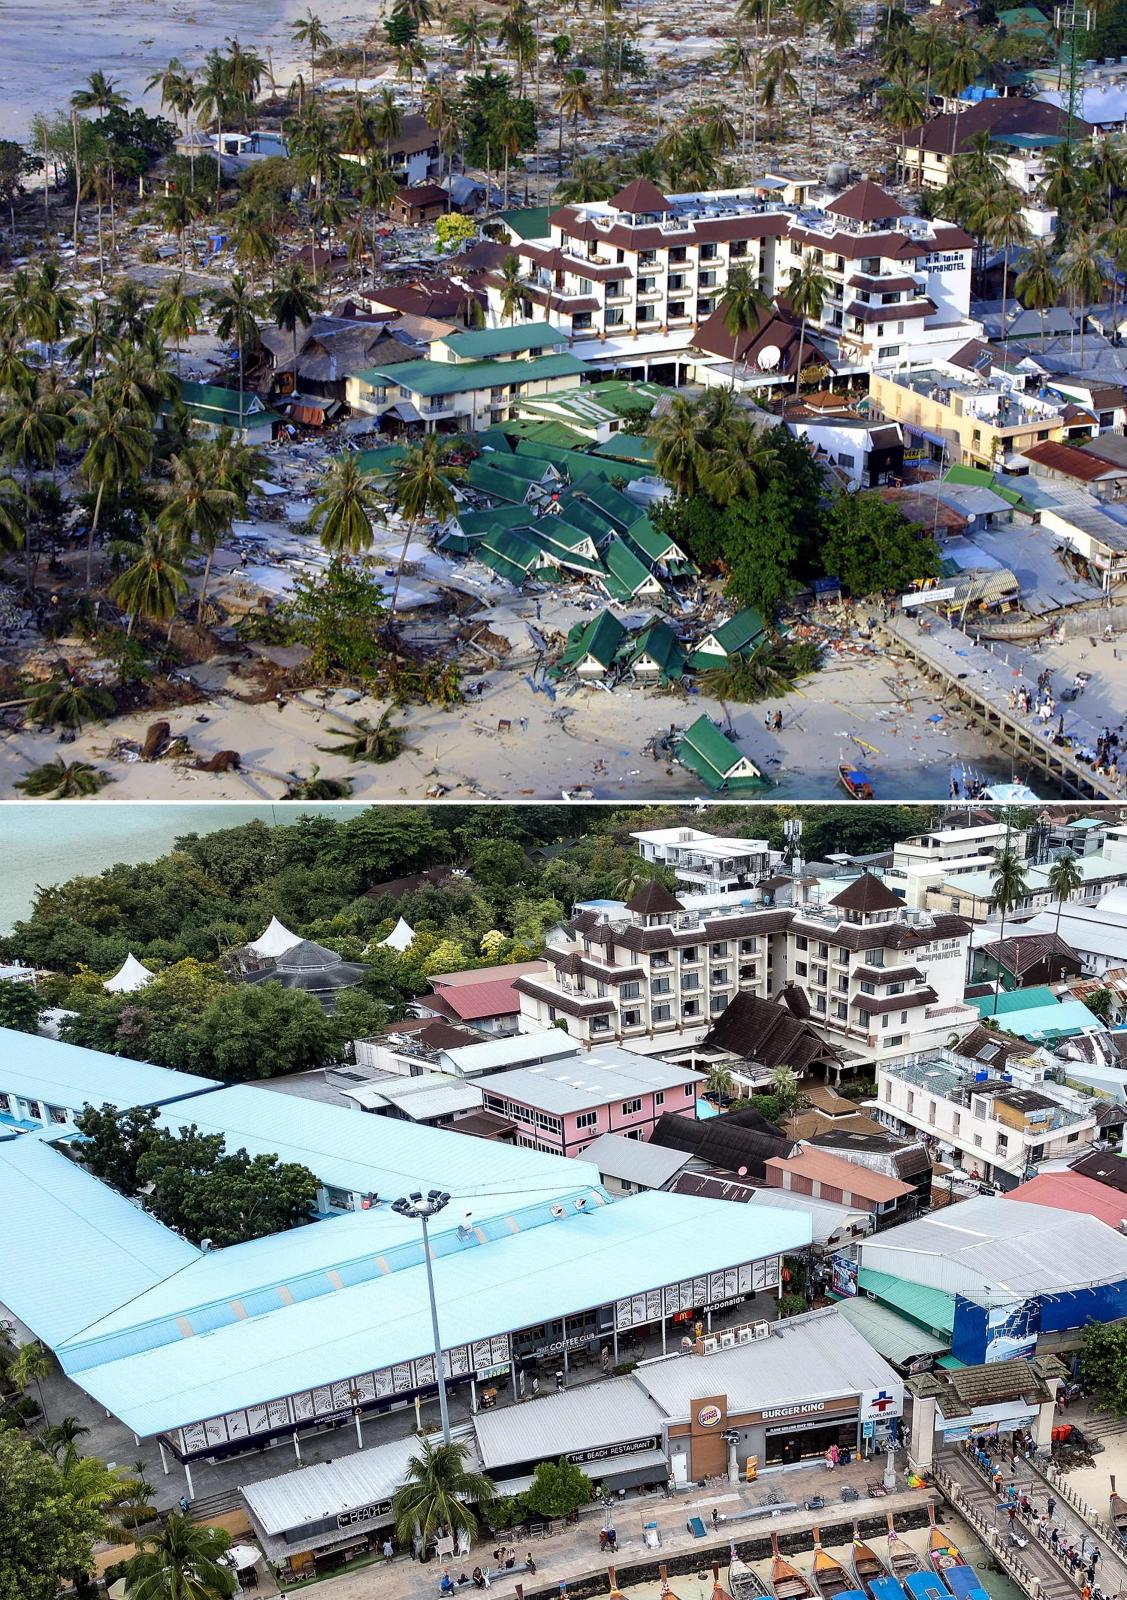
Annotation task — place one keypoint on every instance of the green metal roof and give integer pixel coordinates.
(658, 641)
(1014, 1000)
(582, 514)
(496, 439)
(890, 1334)
(547, 431)
(210, 397)
(531, 222)
(479, 344)
(496, 481)
(735, 637)
(380, 463)
(626, 574)
(601, 638)
(577, 461)
(930, 1308)
(513, 547)
(626, 447)
(611, 502)
(435, 378)
(653, 545)
(517, 466)
(714, 757)
(475, 526)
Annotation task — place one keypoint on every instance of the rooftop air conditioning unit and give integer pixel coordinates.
(728, 1340)
(710, 1346)
(762, 1330)
(746, 1335)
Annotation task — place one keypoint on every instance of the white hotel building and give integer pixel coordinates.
(637, 275)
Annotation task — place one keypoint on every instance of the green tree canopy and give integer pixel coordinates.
(50, 1527)
(870, 546)
(20, 1007)
(557, 1489)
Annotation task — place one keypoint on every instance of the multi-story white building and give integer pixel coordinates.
(943, 853)
(708, 864)
(997, 1128)
(645, 263)
(880, 982)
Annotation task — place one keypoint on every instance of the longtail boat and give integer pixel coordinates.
(902, 1559)
(943, 1552)
(745, 1582)
(867, 1565)
(786, 1580)
(830, 1576)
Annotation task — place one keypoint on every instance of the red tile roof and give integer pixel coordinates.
(866, 203)
(850, 1176)
(482, 992)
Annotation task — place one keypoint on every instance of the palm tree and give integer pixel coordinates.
(32, 1365)
(1083, 276)
(90, 342)
(152, 586)
(63, 702)
(178, 210)
(421, 487)
(679, 455)
(378, 189)
(576, 99)
(181, 1562)
(388, 116)
(52, 307)
(311, 32)
(956, 70)
(1001, 220)
(245, 71)
(436, 1497)
(176, 313)
(31, 430)
(62, 780)
(177, 90)
(378, 742)
(904, 106)
(292, 302)
(236, 308)
(741, 301)
(13, 515)
(317, 788)
(197, 510)
(471, 35)
(60, 1438)
(1008, 888)
(344, 508)
(807, 288)
(719, 1084)
(512, 289)
(841, 31)
(1037, 285)
(117, 443)
(1064, 879)
(589, 179)
(213, 101)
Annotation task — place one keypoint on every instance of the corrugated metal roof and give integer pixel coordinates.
(310, 1493)
(72, 1249)
(492, 1054)
(931, 1307)
(993, 1252)
(596, 1078)
(579, 1419)
(589, 1258)
(371, 1155)
(70, 1076)
(890, 1334)
(634, 1160)
(815, 1357)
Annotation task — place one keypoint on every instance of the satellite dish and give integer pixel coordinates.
(741, 1172)
(768, 358)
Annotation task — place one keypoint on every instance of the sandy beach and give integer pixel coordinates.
(514, 744)
(49, 49)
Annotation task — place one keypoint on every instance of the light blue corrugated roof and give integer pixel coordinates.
(253, 1279)
(70, 1076)
(70, 1248)
(588, 1259)
(364, 1154)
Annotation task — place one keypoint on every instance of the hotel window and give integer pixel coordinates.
(717, 1004)
(720, 975)
(587, 1119)
(893, 1040)
(600, 1024)
(659, 1098)
(630, 1107)
(864, 1018)
(660, 1013)
(34, 1109)
(708, 252)
(718, 951)
(689, 1091)
(676, 308)
(689, 955)
(691, 1008)
(5, 1103)
(689, 982)
(749, 947)
(631, 1019)
(662, 986)
(801, 942)
(631, 991)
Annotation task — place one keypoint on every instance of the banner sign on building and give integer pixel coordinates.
(1011, 1330)
(843, 1275)
(697, 1294)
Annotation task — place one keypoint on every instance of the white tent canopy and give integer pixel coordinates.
(275, 941)
(132, 976)
(401, 937)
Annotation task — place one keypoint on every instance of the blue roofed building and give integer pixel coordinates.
(45, 1083)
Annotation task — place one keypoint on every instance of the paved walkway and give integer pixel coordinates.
(1058, 1579)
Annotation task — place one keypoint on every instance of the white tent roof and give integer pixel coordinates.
(132, 976)
(401, 937)
(275, 941)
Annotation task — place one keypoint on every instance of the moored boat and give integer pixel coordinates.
(830, 1577)
(943, 1552)
(854, 781)
(744, 1582)
(902, 1559)
(786, 1579)
(867, 1565)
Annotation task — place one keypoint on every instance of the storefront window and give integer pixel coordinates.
(801, 1443)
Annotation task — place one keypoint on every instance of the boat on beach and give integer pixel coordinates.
(744, 1582)
(786, 1579)
(830, 1577)
(902, 1559)
(854, 781)
(867, 1565)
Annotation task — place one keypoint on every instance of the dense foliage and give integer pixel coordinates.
(1103, 1365)
(191, 1182)
(50, 1524)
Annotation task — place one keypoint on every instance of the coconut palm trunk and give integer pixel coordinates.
(93, 531)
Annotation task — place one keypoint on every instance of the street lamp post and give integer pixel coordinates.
(422, 1210)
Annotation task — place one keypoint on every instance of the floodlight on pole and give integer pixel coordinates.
(422, 1210)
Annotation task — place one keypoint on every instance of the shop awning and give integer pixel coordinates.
(890, 1334)
(620, 1472)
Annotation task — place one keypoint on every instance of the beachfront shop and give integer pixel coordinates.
(982, 1402)
(813, 1384)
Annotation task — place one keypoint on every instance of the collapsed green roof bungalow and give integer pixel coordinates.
(211, 409)
(656, 655)
(737, 637)
(592, 647)
(717, 760)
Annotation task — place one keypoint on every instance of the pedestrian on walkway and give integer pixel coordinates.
(388, 1550)
(1011, 1512)
(1095, 1562)
(997, 1481)
(1050, 1508)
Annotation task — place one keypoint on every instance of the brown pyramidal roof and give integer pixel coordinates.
(654, 900)
(640, 196)
(866, 893)
(865, 202)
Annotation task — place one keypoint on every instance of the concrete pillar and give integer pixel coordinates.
(296, 1445)
(566, 1367)
(191, 1485)
(614, 1342)
(663, 1334)
(163, 1457)
(922, 1446)
(359, 1435)
(137, 1440)
(733, 1464)
(473, 1392)
(1043, 1424)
